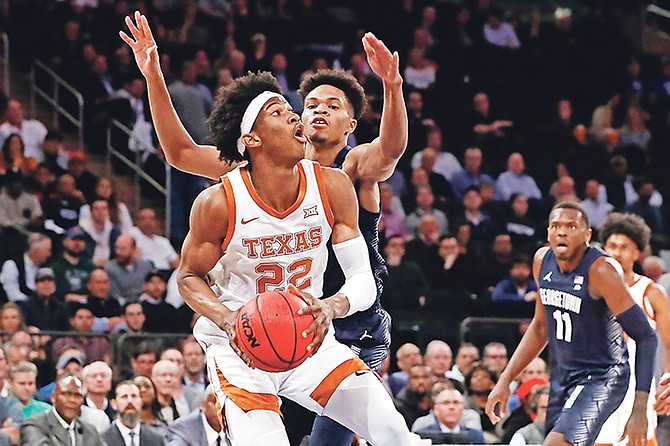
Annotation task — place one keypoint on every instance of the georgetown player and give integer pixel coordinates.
(583, 309)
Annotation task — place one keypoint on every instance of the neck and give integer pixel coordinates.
(147, 415)
(278, 187)
(324, 153)
(193, 376)
(98, 400)
(569, 265)
(629, 275)
(164, 400)
(99, 225)
(71, 259)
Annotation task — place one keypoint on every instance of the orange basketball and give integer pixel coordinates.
(269, 330)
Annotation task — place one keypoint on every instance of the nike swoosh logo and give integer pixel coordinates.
(244, 222)
(360, 372)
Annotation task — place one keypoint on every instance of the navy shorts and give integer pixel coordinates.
(579, 408)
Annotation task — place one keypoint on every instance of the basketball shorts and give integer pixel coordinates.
(311, 384)
(579, 409)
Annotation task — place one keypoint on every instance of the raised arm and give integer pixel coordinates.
(200, 252)
(531, 345)
(377, 160)
(179, 148)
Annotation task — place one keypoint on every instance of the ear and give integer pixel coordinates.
(352, 126)
(114, 405)
(251, 139)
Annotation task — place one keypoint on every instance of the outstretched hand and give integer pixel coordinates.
(384, 63)
(143, 45)
(323, 315)
(497, 402)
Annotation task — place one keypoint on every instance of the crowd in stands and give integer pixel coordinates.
(510, 111)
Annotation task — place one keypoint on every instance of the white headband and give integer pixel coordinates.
(251, 114)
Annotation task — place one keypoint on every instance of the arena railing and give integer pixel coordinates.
(55, 87)
(134, 165)
(481, 330)
(4, 60)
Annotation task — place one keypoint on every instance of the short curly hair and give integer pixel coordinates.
(229, 107)
(339, 79)
(630, 225)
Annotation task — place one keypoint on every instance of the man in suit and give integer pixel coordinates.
(126, 430)
(447, 414)
(61, 426)
(199, 428)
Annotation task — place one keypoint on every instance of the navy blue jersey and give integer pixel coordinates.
(372, 326)
(584, 336)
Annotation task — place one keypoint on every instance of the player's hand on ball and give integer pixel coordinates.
(322, 313)
(228, 325)
(497, 400)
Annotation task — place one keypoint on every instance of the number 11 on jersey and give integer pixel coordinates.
(563, 326)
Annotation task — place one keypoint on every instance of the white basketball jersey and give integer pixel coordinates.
(613, 427)
(265, 250)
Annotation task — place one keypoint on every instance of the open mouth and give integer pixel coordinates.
(319, 122)
(300, 133)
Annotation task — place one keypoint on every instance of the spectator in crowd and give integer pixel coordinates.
(10, 420)
(650, 213)
(186, 398)
(17, 276)
(161, 317)
(392, 213)
(143, 360)
(419, 124)
(85, 181)
(655, 268)
(448, 409)
(127, 428)
(22, 383)
(478, 384)
(520, 227)
(95, 348)
(13, 158)
(424, 206)
(421, 72)
(101, 233)
(73, 268)
(405, 284)
(488, 132)
(438, 160)
(534, 433)
(498, 32)
(97, 377)
(195, 365)
(481, 223)
(32, 131)
(127, 273)
(192, 111)
(105, 308)
(438, 183)
(4, 373)
(496, 265)
(200, 427)
(454, 272)
(18, 209)
(414, 400)
(594, 204)
(118, 211)
(438, 357)
(150, 414)
(165, 376)
(55, 155)
(522, 415)
(70, 361)
(495, 356)
(128, 336)
(634, 132)
(515, 180)
(466, 356)
(407, 356)
(536, 369)
(470, 174)
(61, 209)
(600, 134)
(11, 318)
(153, 247)
(43, 309)
(563, 189)
(62, 424)
(515, 295)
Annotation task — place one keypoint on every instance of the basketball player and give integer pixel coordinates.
(272, 219)
(583, 309)
(624, 236)
(333, 102)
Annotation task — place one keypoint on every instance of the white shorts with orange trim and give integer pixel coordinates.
(311, 384)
